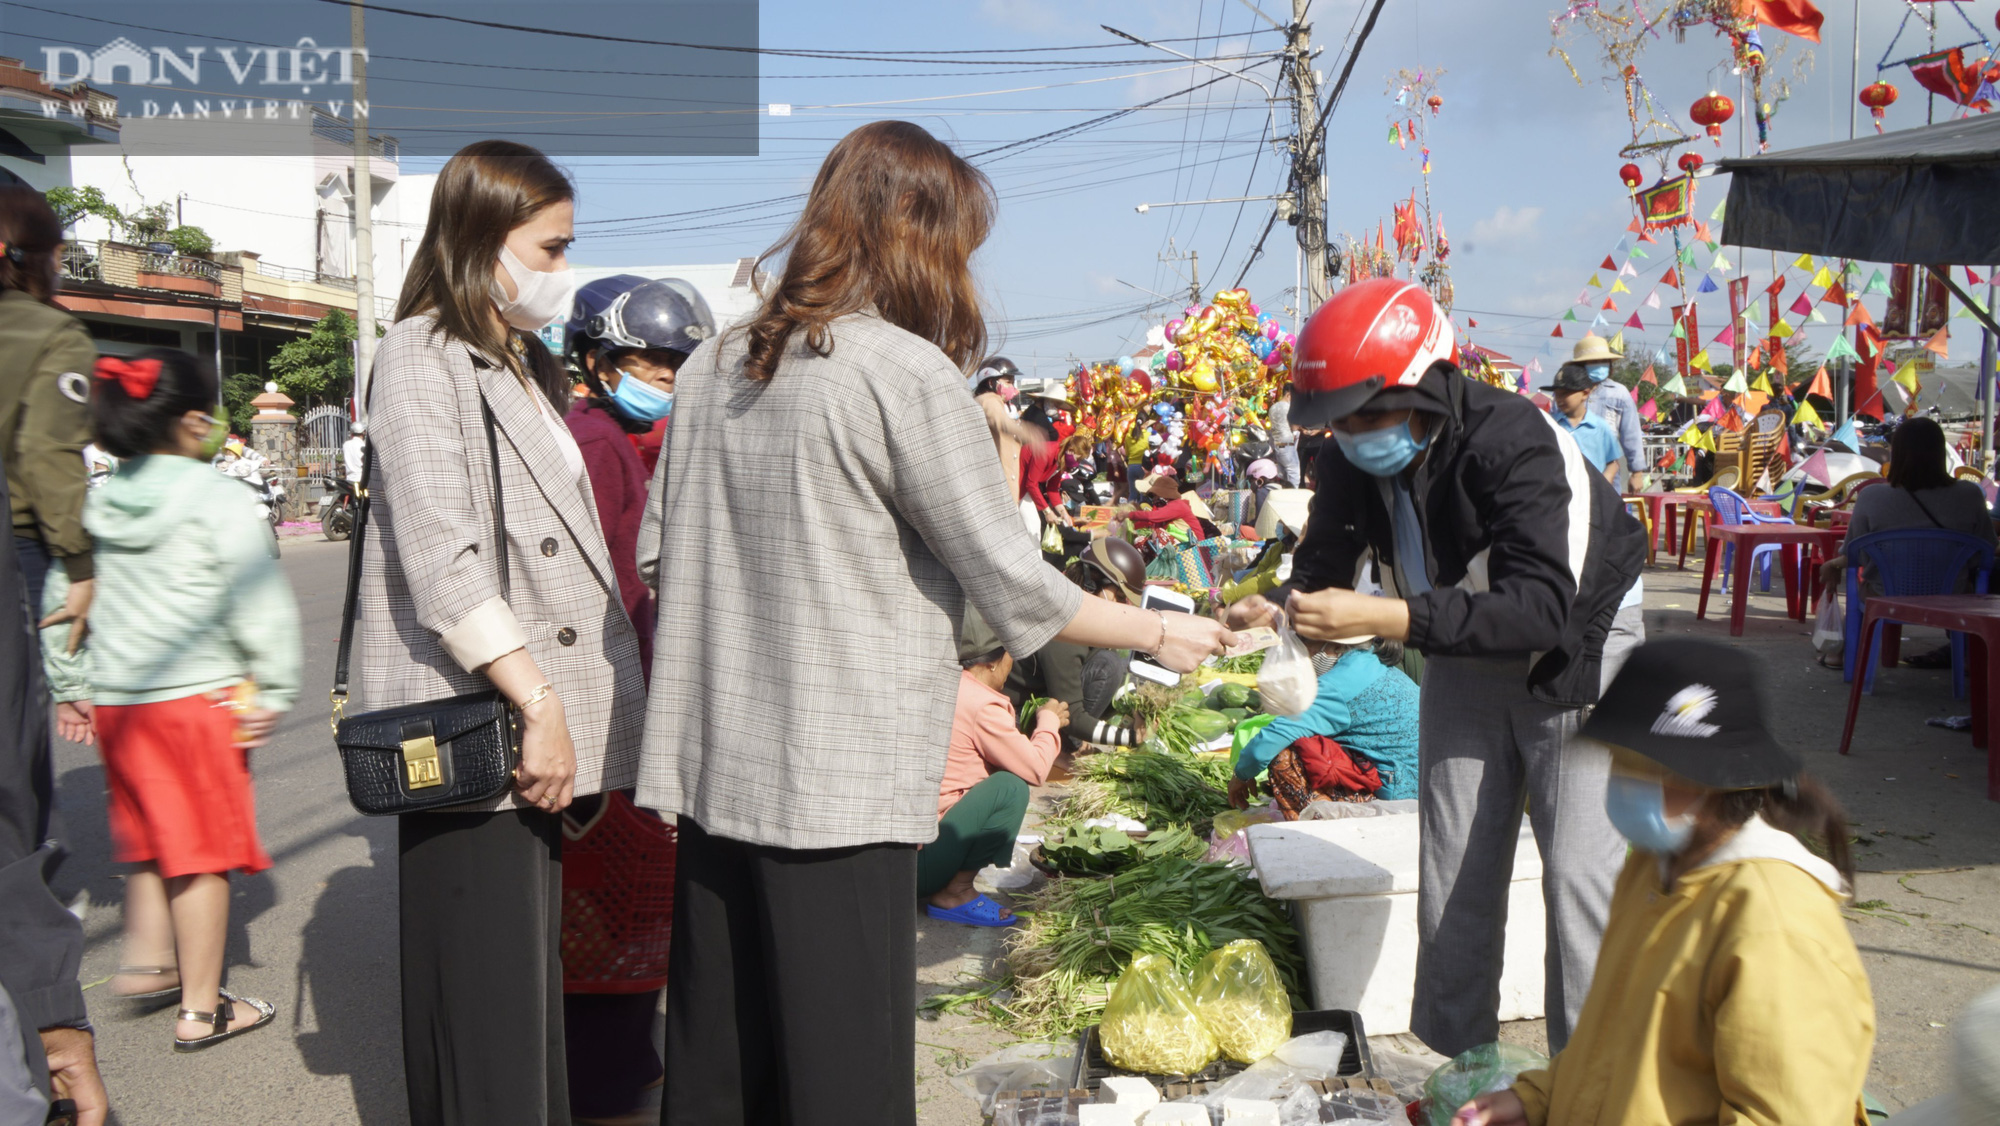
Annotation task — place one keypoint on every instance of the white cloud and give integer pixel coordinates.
(1507, 225)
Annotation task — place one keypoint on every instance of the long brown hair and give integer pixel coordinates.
(893, 219)
(1805, 808)
(484, 191)
(29, 236)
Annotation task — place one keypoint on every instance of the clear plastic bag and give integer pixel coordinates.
(1243, 1001)
(1364, 1106)
(1022, 1067)
(1052, 541)
(1150, 1023)
(1476, 1071)
(1297, 1062)
(1829, 629)
(1287, 683)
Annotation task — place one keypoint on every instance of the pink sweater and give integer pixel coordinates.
(985, 739)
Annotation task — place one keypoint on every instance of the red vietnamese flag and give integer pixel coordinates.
(1796, 16)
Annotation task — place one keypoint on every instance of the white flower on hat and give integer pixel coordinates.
(1685, 711)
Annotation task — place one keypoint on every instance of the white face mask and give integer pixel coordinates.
(538, 297)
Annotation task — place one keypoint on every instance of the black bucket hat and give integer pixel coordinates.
(1694, 708)
(1570, 377)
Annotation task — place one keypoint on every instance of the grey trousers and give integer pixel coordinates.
(1487, 748)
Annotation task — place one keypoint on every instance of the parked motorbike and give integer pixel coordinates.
(270, 492)
(336, 508)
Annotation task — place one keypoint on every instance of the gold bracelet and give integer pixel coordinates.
(1155, 652)
(537, 696)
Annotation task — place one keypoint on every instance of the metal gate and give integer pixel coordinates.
(322, 433)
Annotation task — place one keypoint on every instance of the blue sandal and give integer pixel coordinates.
(979, 911)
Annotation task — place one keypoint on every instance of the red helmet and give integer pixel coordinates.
(1377, 334)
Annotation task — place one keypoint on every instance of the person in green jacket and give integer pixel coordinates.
(45, 360)
(191, 657)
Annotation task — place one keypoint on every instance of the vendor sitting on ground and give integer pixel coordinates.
(1171, 505)
(986, 777)
(1728, 988)
(1086, 679)
(1365, 704)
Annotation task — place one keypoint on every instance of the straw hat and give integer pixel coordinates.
(1289, 507)
(1592, 349)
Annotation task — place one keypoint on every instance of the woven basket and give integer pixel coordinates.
(618, 900)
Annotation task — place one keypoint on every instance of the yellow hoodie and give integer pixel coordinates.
(1736, 996)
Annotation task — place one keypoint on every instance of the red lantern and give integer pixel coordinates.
(1711, 112)
(1878, 97)
(1690, 161)
(1632, 176)
(1435, 102)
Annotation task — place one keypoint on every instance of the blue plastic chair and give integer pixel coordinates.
(1911, 561)
(1732, 508)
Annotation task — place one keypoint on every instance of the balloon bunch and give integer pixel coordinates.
(1223, 363)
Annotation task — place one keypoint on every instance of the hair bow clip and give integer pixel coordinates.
(137, 377)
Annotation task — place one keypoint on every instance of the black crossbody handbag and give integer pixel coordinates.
(432, 754)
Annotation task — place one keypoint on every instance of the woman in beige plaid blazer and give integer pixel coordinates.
(481, 888)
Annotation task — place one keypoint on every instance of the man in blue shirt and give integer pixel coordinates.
(1611, 401)
(1570, 398)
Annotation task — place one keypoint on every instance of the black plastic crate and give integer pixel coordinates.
(1092, 1067)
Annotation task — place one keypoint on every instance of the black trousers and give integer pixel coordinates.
(791, 989)
(481, 897)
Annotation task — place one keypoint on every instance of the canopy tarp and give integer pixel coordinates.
(1929, 195)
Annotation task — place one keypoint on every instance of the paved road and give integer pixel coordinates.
(315, 935)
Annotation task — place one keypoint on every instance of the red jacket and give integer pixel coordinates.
(619, 482)
(1040, 474)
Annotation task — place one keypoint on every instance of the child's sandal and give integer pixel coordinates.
(225, 1012)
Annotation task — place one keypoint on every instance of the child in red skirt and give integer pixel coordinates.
(192, 656)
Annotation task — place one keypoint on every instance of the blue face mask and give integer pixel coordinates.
(1637, 808)
(642, 401)
(1598, 373)
(1380, 453)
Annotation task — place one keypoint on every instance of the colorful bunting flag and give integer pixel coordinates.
(1858, 316)
(1558, 331)
(1638, 253)
(1649, 410)
(1610, 304)
(1763, 384)
(1846, 436)
(1805, 262)
(1649, 377)
(1608, 264)
(1653, 299)
(1817, 317)
(1937, 343)
(1876, 283)
(1823, 278)
(1841, 349)
(1715, 216)
(1671, 278)
(1972, 278)
(1834, 295)
(1906, 375)
(1736, 383)
(1626, 271)
(1635, 322)
(1570, 316)
(1680, 331)
(1803, 305)
(1821, 385)
(1807, 416)
(1701, 361)
(1721, 264)
(1777, 286)
(1781, 330)
(1727, 337)
(1707, 285)
(1617, 342)
(1594, 283)
(1618, 286)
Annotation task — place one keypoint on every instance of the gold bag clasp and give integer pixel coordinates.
(420, 763)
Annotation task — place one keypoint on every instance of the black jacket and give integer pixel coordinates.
(41, 943)
(1494, 494)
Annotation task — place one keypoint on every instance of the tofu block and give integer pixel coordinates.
(1176, 1114)
(1128, 1090)
(1108, 1114)
(1249, 1112)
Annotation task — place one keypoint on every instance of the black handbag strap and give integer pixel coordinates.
(340, 660)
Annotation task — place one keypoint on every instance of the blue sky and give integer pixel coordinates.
(1524, 159)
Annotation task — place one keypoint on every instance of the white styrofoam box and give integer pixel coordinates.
(1249, 1112)
(1177, 1114)
(1108, 1114)
(1353, 884)
(1128, 1090)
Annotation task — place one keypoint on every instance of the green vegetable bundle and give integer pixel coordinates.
(1081, 934)
(1155, 786)
(1097, 851)
(1029, 707)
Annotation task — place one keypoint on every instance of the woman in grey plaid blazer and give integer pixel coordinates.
(481, 888)
(827, 504)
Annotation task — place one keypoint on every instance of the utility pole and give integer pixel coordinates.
(364, 221)
(1308, 158)
(1193, 258)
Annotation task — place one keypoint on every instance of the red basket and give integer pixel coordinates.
(618, 899)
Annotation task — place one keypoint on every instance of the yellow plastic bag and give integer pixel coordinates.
(1150, 1024)
(1243, 1001)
